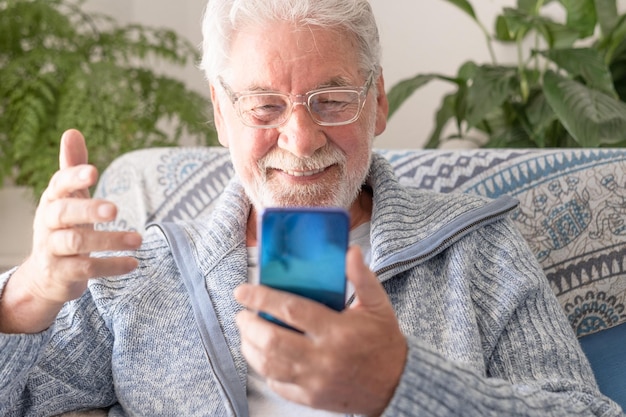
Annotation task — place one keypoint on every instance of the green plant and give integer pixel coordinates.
(568, 90)
(61, 67)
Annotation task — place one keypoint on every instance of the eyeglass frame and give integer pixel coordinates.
(303, 101)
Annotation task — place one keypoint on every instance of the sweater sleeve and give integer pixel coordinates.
(533, 363)
(66, 367)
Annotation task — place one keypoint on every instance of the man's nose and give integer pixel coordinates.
(300, 135)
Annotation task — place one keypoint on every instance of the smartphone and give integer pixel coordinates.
(303, 251)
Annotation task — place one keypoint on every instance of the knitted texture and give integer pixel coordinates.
(486, 334)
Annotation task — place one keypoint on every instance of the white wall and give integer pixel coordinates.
(417, 36)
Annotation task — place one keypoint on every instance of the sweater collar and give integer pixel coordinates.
(402, 216)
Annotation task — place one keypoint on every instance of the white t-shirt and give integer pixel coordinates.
(262, 401)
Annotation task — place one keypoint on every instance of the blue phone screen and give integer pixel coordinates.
(303, 251)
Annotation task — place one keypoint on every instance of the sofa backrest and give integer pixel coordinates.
(572, 206)
(572, 212)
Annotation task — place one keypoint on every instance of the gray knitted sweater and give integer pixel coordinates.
(486, 335)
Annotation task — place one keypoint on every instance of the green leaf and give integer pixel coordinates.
(443, 115)
(557, 35)
(606, 11)
(491, 86)
(540, 115)
(402, 90)
(581, 16)
(590, 116)
(502, 31)
(529, 6)
(513, 25)
(587, 63)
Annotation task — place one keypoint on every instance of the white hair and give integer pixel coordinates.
(222, 18)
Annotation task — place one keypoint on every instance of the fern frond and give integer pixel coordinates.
(61, 68)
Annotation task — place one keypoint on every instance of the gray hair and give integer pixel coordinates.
(222, 18)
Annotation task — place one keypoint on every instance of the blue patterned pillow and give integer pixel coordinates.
(572, 213)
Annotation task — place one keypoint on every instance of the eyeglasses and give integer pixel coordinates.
(332, 106)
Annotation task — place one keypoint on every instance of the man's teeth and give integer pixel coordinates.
(304, 173)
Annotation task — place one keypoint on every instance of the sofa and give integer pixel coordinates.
(572, 212)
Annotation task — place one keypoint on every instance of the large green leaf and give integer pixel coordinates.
(592, 118)
(537, 117)
(581, 16)
(587, 63)
(556, 34)
(491, 86)
(402, 90)
(606, 11)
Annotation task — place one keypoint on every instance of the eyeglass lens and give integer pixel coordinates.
(326, 107)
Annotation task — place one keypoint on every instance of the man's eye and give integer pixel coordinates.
(334, 101)
(266, 113)
(328, 105)
(263, 113)
(267, 108)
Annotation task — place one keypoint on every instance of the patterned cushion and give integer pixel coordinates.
(572, 211)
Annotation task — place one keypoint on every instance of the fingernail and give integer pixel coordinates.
(106, 211)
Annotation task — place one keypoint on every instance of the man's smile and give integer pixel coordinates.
(307, 173)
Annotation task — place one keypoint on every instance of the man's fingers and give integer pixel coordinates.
(68, 242)
(73, 149)
(273, 351)
(298, 312)
(74, 181)
(71, 212)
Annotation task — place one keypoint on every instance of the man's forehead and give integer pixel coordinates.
(289, 45)
(292, 58)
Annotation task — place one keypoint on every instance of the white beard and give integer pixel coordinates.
(339, 188)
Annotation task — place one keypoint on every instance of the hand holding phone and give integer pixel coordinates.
(303, 251)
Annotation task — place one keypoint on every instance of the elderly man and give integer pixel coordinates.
(451, 313)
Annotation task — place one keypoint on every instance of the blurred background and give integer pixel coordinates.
(417, 36)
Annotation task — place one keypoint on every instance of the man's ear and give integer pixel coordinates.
(382, 105)
(218, 117)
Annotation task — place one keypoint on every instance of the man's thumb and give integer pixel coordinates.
(368, 291)
(73, 149)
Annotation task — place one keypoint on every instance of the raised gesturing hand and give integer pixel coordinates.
(60, 264)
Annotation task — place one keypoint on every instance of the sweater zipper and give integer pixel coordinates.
(446, 242)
